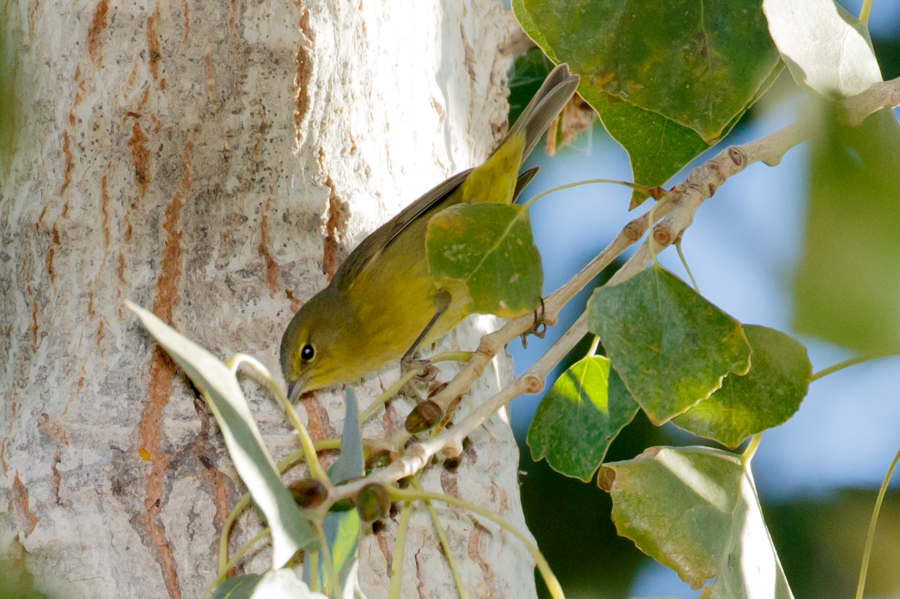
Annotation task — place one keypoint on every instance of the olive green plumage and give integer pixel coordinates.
(383, 296)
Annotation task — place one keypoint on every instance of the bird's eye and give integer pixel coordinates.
(308, 352)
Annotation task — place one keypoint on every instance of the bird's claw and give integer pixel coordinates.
(539, 328)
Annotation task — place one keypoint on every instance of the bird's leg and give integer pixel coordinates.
(441, 303)
(539, 328)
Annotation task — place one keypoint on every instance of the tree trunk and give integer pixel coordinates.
(215, 161)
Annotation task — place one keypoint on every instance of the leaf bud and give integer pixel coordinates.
(380, 459)
(308, 492)
(423, 417)
(373, 503)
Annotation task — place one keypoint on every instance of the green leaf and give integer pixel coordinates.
(766, 396)
(489, 247)
(237, 587)
(848, 285)
(671, 347)
(283, 584)
(826, 48)
(290, 530)
(707, 60)
(579, 418)
(343, 548)
(695, 510)
(657, 147)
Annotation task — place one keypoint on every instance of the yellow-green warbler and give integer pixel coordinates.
(383, 302)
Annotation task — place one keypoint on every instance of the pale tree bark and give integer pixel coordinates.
(215, 161)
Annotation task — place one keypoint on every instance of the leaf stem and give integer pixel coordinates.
(220, 578)
(334, 583)
(594, 345)
(864, 12)
(641, 188)
(314, 584)
(399, 545)
(451, 356)
(650, 241)
(870, 538)
(457, 578)
(549, 579)
(306, 442)
(389, 393)
(244, 501)
(686, 267)
(846, 364)
(751, 449)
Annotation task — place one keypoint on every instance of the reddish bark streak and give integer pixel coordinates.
(295, 303)
(48, 261)
(162, 372)
(120, 268)
(40, 220)
(271, 265)
(140, 156)
(104, 211)
(301, 79)
(336, 211)
(153, 47)
(216, 478)
(57, 479)
(98, 24)
(21, 498)
(79, 95)
(34, 320)
(67, 177)
(210, 79)
(187, 22)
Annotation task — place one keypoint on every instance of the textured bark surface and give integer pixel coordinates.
(215, 161)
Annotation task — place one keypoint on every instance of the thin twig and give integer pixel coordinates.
(675, 214)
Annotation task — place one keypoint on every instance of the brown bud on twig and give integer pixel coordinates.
(308, 492)
(380, 459)
(373, 503)
(423, 417)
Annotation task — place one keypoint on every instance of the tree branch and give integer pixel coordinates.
(674, 214)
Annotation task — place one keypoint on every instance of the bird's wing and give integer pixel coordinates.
(372, 246)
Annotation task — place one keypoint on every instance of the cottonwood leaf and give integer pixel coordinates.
(847, 289)
(290, 530)
(489, 247)
(671, 347)
(848, 283)
(827, 50)
(765, 397)
(664, 98)
(580, 417)
(695, 510)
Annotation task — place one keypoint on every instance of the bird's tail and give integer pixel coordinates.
(550, 99)
(496, 180)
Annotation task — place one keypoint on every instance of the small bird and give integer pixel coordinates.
(383, 303)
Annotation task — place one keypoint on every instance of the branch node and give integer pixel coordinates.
(532, 383)
(737, 155)
(633, 231)
(662, 235)
(487, 347)
(452, 451)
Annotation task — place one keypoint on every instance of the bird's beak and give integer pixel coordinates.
(293, 390)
